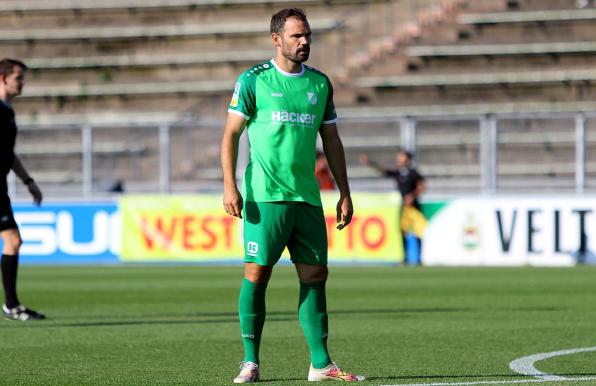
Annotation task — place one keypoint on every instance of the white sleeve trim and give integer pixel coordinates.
(334, 120)
(236, 112)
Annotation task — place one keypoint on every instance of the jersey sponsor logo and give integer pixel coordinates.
(312, 98)
(252, 248)
(235, 96)
(250, 336)
(277, 94)
(292, 117)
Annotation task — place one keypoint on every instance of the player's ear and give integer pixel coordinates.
(276, 39)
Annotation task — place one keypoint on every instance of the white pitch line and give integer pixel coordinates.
(525, 365)
(503, 382)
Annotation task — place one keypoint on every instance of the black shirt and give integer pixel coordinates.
(8, 136)
(407, 180)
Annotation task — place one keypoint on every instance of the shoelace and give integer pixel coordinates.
(339, 372)
(334, 369)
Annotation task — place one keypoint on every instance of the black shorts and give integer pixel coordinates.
(6, 216)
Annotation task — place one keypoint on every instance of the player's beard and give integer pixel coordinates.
(300, 56)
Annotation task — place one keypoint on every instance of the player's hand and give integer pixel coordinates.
(35, 192)
(232, 202)
(344, 212)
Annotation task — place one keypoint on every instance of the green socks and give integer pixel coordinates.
(312, 313)
(251, 311)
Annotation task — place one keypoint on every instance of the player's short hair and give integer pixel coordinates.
(278, 21)
(7, 66)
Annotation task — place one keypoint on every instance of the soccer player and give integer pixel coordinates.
(12, 80)
(284, 105)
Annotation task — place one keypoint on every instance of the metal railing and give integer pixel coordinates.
(183, 155)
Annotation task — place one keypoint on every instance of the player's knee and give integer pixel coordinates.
(12, 244)
(315, 274)
(257, 274)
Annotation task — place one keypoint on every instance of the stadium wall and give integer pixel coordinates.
(475, 231)
(187, 229)
(511, 231)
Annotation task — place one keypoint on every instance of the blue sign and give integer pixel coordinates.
(65, 233)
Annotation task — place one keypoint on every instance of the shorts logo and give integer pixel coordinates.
(252, 248)
(312, 98)
(234, 102)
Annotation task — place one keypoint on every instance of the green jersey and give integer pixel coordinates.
(284, 113)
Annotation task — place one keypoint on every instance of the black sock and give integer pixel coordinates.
(10, 264)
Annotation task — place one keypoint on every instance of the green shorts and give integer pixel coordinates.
(271, 226)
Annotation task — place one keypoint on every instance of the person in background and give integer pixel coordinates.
(411, 185)
(323, 173)
(12, 81)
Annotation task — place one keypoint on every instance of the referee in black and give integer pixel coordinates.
(12, 80)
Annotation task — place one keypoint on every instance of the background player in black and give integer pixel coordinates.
(12, 80)
(408, 181)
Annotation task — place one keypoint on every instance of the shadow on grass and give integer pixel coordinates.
(409, 378)
(212, 318)
(232, 317)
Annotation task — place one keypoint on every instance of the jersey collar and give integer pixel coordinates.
(284, 73)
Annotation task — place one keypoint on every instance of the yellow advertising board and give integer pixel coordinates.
(196, 228)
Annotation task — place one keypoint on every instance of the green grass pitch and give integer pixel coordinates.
(177, 325)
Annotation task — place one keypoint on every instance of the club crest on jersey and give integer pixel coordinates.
(312, 98)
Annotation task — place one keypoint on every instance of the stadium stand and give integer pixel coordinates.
(147, 32)
(501, 49)
(90, 5)
(500, 59)
(181, 59)
(527, 17)
(130, 70)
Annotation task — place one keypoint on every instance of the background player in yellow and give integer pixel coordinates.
(284, 105)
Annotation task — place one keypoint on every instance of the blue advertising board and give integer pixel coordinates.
(69, 233)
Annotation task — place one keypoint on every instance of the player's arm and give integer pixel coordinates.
(334, 151)
(365, 160)
(21, 172)
(232, 199)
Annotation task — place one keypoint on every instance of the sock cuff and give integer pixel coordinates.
(9, 256)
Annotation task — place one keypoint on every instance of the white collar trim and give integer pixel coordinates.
(288, 73)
